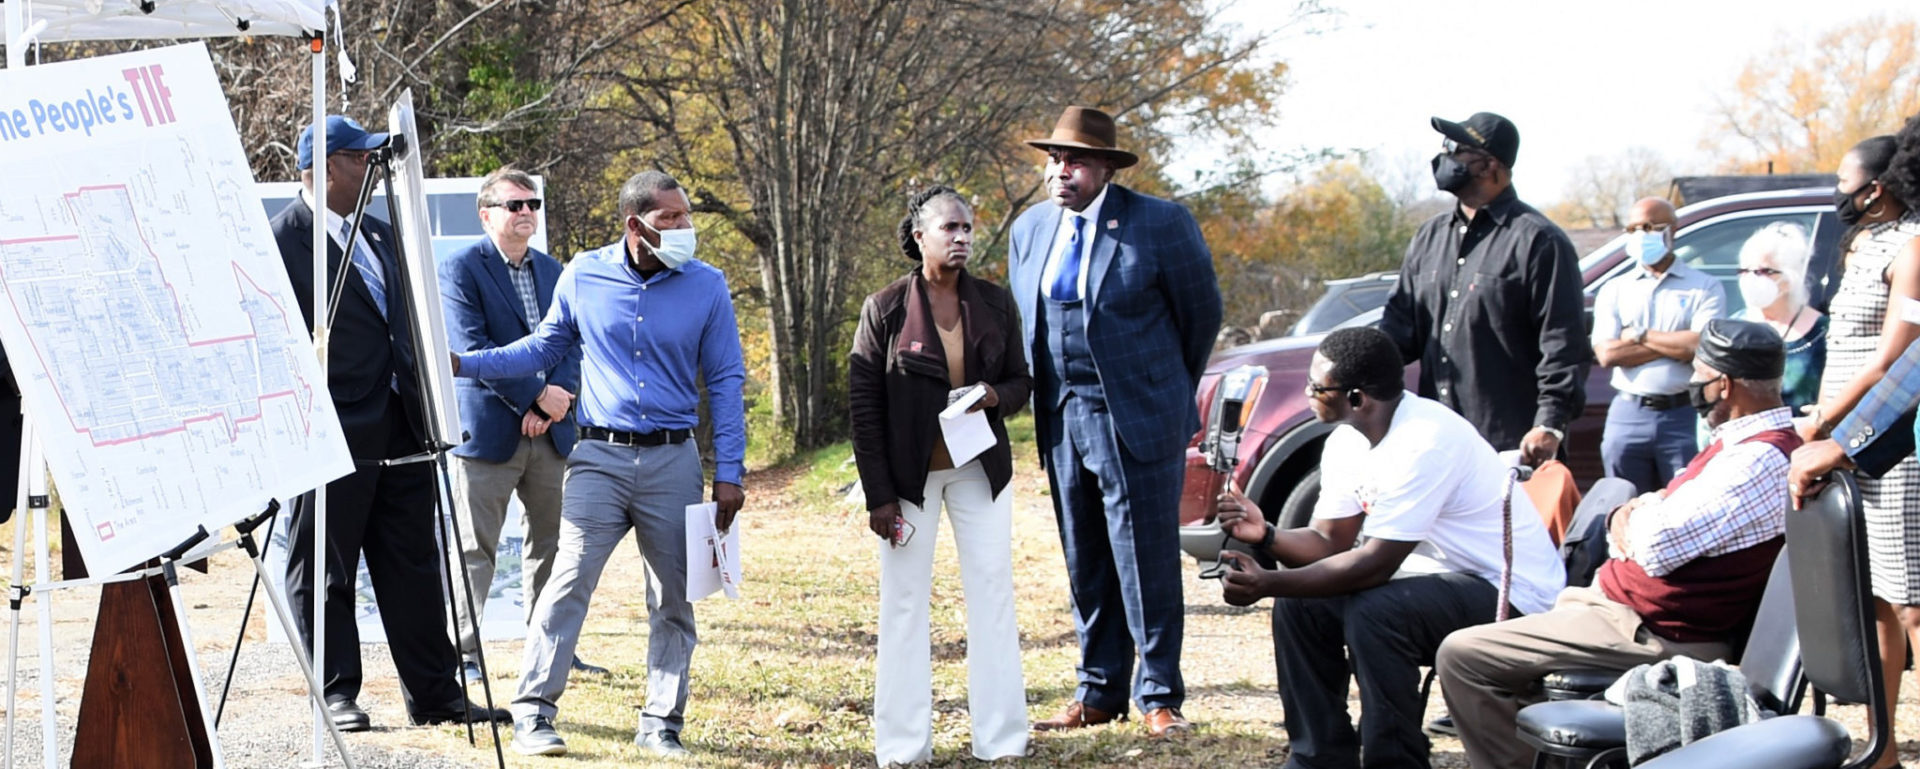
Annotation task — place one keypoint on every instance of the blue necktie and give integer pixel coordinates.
(369, 271)
(1066, 282)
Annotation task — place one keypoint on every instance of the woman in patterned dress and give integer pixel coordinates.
(1878, 194)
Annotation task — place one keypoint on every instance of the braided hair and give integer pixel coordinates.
(917, 206)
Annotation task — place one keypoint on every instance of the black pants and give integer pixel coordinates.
(387, 514)
(1380, 637)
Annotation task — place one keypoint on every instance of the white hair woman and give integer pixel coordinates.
(1773, 282)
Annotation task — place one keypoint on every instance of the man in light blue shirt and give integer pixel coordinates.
(1646, 324)
(653, 324)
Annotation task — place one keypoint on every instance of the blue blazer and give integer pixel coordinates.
(1154, 308)
(1879, 432)
(484, 311)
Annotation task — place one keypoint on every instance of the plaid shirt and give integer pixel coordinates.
(1738, 500)
(522, 275)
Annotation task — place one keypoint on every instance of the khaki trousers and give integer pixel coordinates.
(1489, 672)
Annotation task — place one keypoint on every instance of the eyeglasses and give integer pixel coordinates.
(1766, 271)
(1314, 390)
(1453, 147)
(516, 206)
(1650, 227)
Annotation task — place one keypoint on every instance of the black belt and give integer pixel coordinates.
(1660, 402)
(618, 438)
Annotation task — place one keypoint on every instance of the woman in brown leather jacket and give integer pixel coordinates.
(931, 335)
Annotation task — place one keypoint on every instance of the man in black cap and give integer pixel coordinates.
(1690, 561)
(383, 512)
(1489, 290)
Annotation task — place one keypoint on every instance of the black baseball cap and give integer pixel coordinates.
(1485, 131)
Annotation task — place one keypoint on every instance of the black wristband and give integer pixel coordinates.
(1266, 540)
(535, 408)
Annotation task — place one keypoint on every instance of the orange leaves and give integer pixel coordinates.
(1802, 105)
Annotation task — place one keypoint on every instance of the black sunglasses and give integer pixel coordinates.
(531, 204)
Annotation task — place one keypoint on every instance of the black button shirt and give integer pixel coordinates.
(1491, 308)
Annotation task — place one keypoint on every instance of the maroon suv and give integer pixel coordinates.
(1280, 451)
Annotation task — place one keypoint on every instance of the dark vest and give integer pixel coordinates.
(1064, 360)
(1708, 598)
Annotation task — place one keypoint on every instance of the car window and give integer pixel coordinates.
(1713, 247)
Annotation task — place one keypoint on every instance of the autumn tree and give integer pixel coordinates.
(1799, 107)
(1605, 187)
(802, 125)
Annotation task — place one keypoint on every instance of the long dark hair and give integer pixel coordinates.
(911, 221)
(1876, 157)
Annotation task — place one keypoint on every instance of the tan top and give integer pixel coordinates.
(954, 343)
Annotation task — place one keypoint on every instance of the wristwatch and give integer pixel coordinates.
(1558, 434)
(1636, 335)
(1266, 540)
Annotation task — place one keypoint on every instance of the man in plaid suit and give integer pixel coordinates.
(1120, 304)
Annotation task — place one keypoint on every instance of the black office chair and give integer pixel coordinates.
(1593, 733)
(1838, 642)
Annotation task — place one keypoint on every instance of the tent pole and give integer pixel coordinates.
(317, 45)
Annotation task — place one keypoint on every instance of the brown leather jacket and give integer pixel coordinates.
(897, 383)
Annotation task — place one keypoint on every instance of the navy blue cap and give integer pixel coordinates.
(342, 134)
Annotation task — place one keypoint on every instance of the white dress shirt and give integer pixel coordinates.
(1064, 234)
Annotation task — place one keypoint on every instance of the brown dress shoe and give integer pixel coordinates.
(1078, 714)
(1166, 722)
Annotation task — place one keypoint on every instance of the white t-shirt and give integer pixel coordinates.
(1435, 481)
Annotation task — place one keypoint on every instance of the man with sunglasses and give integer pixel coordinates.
(656, 329)
(519, 429)
(1488, 292)
(1406, 546)
(1646, 324)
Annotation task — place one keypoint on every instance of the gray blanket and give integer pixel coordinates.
(1672, 703)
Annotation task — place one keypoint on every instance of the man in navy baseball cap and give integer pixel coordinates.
(342, 134)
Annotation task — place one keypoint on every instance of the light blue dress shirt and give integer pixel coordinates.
(647, 346)
(1683, 299)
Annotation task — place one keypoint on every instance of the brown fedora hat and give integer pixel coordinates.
(1086, 128)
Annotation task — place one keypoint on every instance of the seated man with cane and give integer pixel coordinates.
(1443, 542)
(1688, 565)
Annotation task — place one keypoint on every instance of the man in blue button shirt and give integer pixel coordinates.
(653, 324)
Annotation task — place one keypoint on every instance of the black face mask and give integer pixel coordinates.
(1449, 174)
(1849, 213)
(1697, 394)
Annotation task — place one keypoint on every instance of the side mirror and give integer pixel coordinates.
(1233, 404)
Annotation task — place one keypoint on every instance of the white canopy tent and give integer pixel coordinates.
(30, 21)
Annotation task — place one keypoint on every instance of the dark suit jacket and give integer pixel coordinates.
(897, 384)
(484, 311)
(1154, 310)
(365, 351)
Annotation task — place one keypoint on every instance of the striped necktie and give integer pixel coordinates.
(370, 271)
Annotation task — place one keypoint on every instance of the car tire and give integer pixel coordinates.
(1297, 510)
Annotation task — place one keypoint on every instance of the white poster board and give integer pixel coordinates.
(422, 279)
(155, 336)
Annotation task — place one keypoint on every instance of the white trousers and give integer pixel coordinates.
(903, 680)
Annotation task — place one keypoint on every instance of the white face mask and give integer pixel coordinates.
(1759, 291)
(676, 246)
(1648, 248)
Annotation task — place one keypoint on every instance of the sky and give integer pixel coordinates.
(1577, 79)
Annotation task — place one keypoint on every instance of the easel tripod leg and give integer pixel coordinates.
(473, 618)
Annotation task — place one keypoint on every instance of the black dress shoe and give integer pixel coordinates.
(664, 743)
(348, 716)
(1443, 727)
(459, 712)
(582, 666)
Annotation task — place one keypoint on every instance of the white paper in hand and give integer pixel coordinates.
(966, 434)
(713, 558)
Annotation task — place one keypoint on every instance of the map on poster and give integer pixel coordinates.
(149, 320)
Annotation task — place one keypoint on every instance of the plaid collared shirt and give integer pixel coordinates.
(1737, 501)
(522, 275)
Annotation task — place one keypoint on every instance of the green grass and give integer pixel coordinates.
(784, 676)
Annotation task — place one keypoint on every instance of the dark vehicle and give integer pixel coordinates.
(1344, 299)
(1280, 451)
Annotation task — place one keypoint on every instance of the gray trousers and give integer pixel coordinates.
(1490, 672)
(481, 490)
(611, 490)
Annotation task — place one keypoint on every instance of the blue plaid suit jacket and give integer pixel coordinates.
(1878, 433)
(1154, 310)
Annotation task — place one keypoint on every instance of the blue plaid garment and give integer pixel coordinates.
(1864, 433)
(522, 276)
